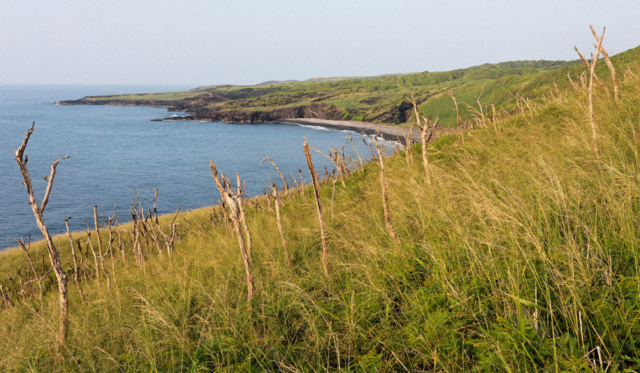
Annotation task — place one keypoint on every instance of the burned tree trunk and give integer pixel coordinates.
(61, 276)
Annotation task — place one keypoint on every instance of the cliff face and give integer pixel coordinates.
(197, 109)
(318, 111)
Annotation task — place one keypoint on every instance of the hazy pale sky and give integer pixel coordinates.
(200, 42)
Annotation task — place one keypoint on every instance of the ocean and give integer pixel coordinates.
(116, 151)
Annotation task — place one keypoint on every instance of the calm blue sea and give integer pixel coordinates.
(115, 151)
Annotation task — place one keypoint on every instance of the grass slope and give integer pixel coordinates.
(382, 99)
(521, 256)
(376, 99)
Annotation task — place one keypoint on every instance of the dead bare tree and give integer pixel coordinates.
(61, 276)
(226, 192)
(316, 189)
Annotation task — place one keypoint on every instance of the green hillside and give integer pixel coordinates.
(379, 99)
(521, 255)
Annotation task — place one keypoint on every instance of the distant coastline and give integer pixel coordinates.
(283, 116)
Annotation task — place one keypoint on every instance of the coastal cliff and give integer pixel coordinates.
(200, 108)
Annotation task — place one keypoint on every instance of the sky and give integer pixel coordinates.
(198, 42)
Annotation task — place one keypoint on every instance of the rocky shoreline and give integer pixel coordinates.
(319, 114)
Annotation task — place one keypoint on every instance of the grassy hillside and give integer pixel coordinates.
(376, 99)
(522, 255)
(380, 99)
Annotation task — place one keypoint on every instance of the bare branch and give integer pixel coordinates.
(49, 179)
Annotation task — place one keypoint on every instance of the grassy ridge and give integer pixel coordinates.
(376, 99)
(522, 256)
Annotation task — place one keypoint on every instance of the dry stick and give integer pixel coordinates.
(316, 189)
(243, 218)
(170, 239)
(334, 159)
(93, 251)
(340, 159)
(284, 180)
(121, 248)
(302, 188)
(573, 84)
(607, 60)
(73, 255)
(274, 193)
(356, 150)
(26, 248)
(61, 276)
(385, 194)
(295, 182)
(583, 80)
(587, 65)
(82, 267)
(111, 227)
(104, 269)
(155, 211)
(333, 191)
(151, 229)
(235, 217)
(423, 137)
(408, 141)
(136, 239)
(373, 155)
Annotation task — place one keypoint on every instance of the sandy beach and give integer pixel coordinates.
(389, 132)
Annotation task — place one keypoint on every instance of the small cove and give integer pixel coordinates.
(116, 150)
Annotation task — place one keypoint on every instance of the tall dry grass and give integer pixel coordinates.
(522, 255)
